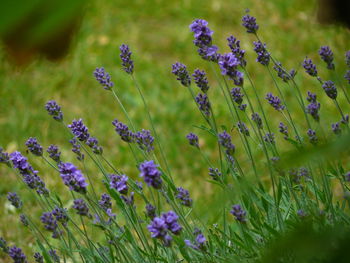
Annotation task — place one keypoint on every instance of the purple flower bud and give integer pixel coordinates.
(54, 110)
(237, 95)
(81, 207)
(79, 130)
(72, 177)
(4, 157)
(228, 64)
(249, 22)
(257, 119)
(125, 55)
(24, 220)
(192, 139)
(184, 196)
(275, 102)
(105, 202)
(54, 256)
(38, 257)
(203, 103)
(34, 147)
(145, 140)
(282, 73)
(151, 174)
(180, 71)
(269, 138)
(284, 130)
(3, 245)
(170, 219)
(263, 55)
(225, 141)
(17, 255)
(347, 177)
(314, 106)
(119, 183)
(347, 76)
(310, 68)
(330, 89)
(243, 128)
(345, 119)
(76, 149)
(103, 78)
(129, 200)
(312, 136)
(14, 200)
(123, 131)
(201, 80)
(327, 56)
(242, 107)
(54, 153)
(92, 142)
(336, 128)
(214, 173)
(239, 213)
(150, 211)
(236, 50)
(50, 224)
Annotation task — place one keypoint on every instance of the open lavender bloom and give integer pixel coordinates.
(79, 129)
(327, 56)
(330, 89)
(239, 213)
(284, 130)
(50, 224)
(72, 177)
(257, 119)
(14, 199)
(312, 136)
(310, 68)
(184, 196)
(192, 139)
(203, 103)
(81, 207)
(228, 64)
(34, 147)
(180, 71)
(145, 140)
(77, 149)
(54, 110)
(92, 142)
(249, 22)
(17, 255)
(235, 46)
(263, 55)
(54, 153)
(274, 101)
(243, 128)
(103, 78)
(151, 174)
(201, 80)
(314, 106)
(125, 56)
(30, 176)
(200, 240)
(225, 141)
(123, 131)
(119, 183)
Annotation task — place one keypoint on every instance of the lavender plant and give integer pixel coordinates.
(264, 193)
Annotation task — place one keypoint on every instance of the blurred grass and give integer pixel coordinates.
(158, 34)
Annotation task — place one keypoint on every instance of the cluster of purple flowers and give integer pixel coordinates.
(274, 101)
(4, 157)
(79, 129)
(201, 80)
(54, 153)
(103, 78)
(61, 215)
(310, 68)
(125, 56)
(106, 204)
(123, 131)
(54, 110)
(257, 119)
(200, 240)
(214, 173)
(235, 46)
(72, 177)
(347, 61)
(336, 128)
(161, 227)
(76, 148)
(312, 136)
(242, 127)
(119, 183)
(30, 176)
(263, 55)
(284, 130)
(193, 139)
(239, 213)
(150, 173)
(326, 55)
(203, 103)
(24, 220)
(34, 147)
(17, 255)
(225, 141)
(269, 138)
(184, 196)
(203, 39)
(14, 199)
(81, 207)
(228, 64)
(249, 22)
(282, 73)
(314, 106)
(150, 211)
(180, 71)
(38, 257)
(237, 97)
(330, 89)
(50, 224)
(92, 142)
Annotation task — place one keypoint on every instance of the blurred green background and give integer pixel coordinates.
(158, 34)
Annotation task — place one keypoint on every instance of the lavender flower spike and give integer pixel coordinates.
(201, 80)
(263, 55)
(123, 131)
(180, 71)
(125, 56)
(119, 183)
(92, 142)
(54, 153)
(249, 22)
(14, 199)
(330, 89)
(79, 129)
(54, 110)
(81, 207)
(145, 140)
(103, 78)
(228, 64)
(17, 255)
(203, 103)
(327, 56)
(192, 139)
(275, 102)
(34, 147)
(239, 213)
(151, 174)
(310, 68)
(72, 177)
(4, 157)
(184, 196)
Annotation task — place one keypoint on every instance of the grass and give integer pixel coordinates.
(158, 34)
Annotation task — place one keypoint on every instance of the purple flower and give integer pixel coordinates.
(310, 68)
(129, 200)
(239, 213)
(76, 149)
(282, 73)
(24, 220)
(4, 157)
(38, 257)
(192, 139)
(72, 177)
(119, 183)
(347, 76)
(284, 130)
(103, 78)
(151, 174)
(208, 53)
(199, 241)
(263, 55)
(123, 131)
(257, 119)
(14, 199)
(150, 211)
(17, 255)
(214, 173)
(201, 80)
(242, 107)
(314, 106)
(225, 141)
(50, 224)
(327, 56)
(92, 142)
(275, 102)
(235, 46)
(34, 147)
(54, 153)
(228, 64)
(269, 138)
(81, 207)
(170, 219)
(61, 215)
(125, 56)
(3, 245)
(54, 110)
(158, 228)
(79, 130)
(203, 103)
(30, 176)
(330, 89)
(249, 22)
(243, 128)
(312, 136)
(336, 128)
(145, 140)
(180, 71)
(105, 202)
(184, 196)
(237, 95)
